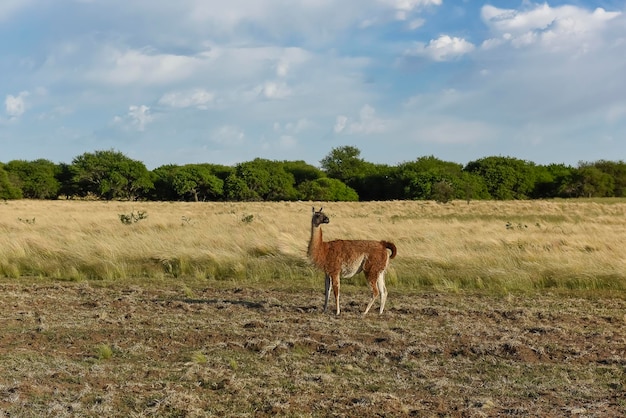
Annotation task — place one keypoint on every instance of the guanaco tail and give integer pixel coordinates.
(345, 258)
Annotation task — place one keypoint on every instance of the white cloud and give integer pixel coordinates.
(140, 116)
(444, 48)
(517, 22)
(289, 59)
(313, 22)
(15, 106)
(565, 19)
(555, 66)
(228, 135)
(272, 90)
(492, 43)
(367, 123)
(556, 70)
(416, 23)
(199, 98)
(282, 69)
(410, 5)
(296, 127)
(137, 118)
(380, 12)
(340, 124)
(124, 67)
(233, 58)
(542, 24)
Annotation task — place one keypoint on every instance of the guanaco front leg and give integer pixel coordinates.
(335, 286)
(326, 291)
(336, 292)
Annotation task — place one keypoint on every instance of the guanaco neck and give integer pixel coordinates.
(316, 245)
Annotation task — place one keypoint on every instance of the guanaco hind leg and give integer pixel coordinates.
(383, 290)
(378, 288)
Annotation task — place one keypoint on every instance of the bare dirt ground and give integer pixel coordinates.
(79, 349)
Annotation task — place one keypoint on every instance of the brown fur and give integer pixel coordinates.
(345, 258)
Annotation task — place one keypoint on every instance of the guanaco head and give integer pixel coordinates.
(319, 218)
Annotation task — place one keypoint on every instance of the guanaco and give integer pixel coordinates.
(345, 258)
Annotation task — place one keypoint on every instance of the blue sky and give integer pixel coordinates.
(191, 81)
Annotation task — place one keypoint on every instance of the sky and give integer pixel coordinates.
(204, 81)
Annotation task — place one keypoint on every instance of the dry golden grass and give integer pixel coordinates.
(499, 246)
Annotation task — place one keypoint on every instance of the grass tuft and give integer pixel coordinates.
(104, 352)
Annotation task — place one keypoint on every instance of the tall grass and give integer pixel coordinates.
(496, 246)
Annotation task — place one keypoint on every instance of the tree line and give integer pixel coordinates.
(342, 176)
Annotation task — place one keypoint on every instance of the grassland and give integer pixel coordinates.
(499, 246)
(211, 309)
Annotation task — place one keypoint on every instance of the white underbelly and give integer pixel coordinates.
(350, 269)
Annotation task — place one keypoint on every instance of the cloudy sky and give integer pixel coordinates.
(188, 81)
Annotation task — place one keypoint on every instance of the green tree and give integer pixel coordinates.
(235, 188)
(136, 180)
(344, 163)
(263, 179)
(36, 179)
(65, 175)
(590, 181)
(617, 170)
(111, 175)
(163, 179)
(302, 171)
(7, 189)
(220, 171)
(505, 177)
(367, 179)
(197, 182)
(377, 182)
(418, 178)
(327, 189)
(471, 186)
(442, 191)
(191, 182)
(552, 181)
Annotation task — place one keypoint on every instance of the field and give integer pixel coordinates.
(211, 309)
